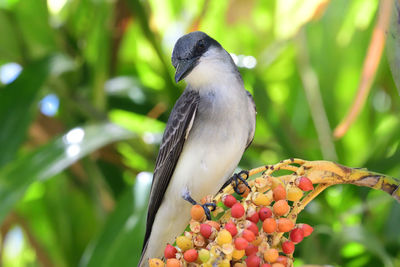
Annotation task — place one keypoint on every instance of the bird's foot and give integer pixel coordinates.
(206, 206)
(234, 180)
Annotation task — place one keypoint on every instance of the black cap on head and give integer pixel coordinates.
(188, 49)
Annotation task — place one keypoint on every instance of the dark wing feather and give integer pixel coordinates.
(171, 147)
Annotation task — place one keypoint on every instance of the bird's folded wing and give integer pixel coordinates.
(176, 131)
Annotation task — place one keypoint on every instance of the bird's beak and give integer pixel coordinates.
(184, 67)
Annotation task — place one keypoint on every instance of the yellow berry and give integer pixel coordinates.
(184, 243)
(238, 254)
(224, 263)
(204, 255)
(224, 237)
(156, 263)
(271, 255)
(294, 193)
(261, 199)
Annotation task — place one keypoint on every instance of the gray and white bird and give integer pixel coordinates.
(209, 128)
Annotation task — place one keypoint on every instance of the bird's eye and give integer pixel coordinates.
(201, 45)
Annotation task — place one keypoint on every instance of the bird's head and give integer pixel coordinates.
(196, 52)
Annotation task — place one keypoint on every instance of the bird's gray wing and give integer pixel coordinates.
(178, 125)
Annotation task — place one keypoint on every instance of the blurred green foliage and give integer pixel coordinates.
(73, 186)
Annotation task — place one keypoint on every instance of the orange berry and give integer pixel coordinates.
(277, 264)
(269, 225)
(271, 255)
(285, 225)
(280, 207)
(190, 255)
(279, 193)
(197, 213)
(173, 263)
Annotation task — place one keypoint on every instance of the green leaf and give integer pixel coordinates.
(137, 123)
(17, 105)
(52, 158)
(121, 241)
(9, 49)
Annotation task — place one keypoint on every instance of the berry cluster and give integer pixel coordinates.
(255, 229)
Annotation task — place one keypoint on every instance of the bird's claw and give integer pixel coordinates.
(207, 210)
(205, 206)
(234, 180)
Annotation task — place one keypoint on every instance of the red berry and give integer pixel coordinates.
(253, 217)
(252, 227)
(305, 184)
(296, 235)
(265, 265)
(170, 252)
(190, 255)
(288, 247)
(231, 227)
(237, 210)
(241, 243)
(205, 230)
(251, 249)
(253, 261)
(307, 229)
(229, 200)
(264, 213)
(248, 235)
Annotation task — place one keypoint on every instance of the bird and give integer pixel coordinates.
(209, 128)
